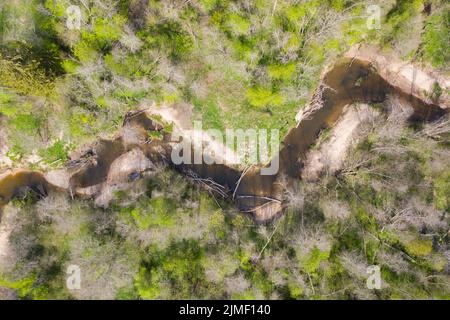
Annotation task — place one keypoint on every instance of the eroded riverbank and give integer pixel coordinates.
(362, 76)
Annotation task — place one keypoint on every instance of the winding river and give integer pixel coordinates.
(362, 75)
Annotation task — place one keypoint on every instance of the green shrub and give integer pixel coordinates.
(282, 72)
(170, 37)
(419, 247)
(442, 191)
(27, 79)
(26, 122)
(147, 285)
(25, 288)
(262, 97)
(154, 212)
(312, 261)
(237, 24)
(436, 39)
(84, 52)
(104, 32)
(7, 105)
(178, 268)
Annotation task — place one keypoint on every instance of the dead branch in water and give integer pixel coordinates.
(261, 197)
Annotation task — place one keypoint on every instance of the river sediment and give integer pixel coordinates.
(363, 75)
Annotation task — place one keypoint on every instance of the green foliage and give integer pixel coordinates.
(282, 72)
(133, 66)
(156, 212)
(27, 36)
(81, 123)
(237, 24)
(246, 295)
(106, 31)
(15, 152)
(103, 34)
(217, 224)
(398, 16)
(25, 288)
(231, 62)
(436, 39)
(179, 266)
(26, 122)
(295, 292)
(210, 111)
(442, 191)
(146, 285)
(312, 261)
(28, 79)
(84, 52)
(130, 293)
(57, 8)
(155, 135)
(170, 36)
(366, 220)
(129, 95)
(419, 247)
(209, 4)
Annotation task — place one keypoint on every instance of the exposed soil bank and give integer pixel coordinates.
(363, 75)
(329, 155)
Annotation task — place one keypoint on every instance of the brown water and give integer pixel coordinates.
(350, 80)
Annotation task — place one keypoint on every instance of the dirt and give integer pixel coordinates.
(180, 115)
(362, 76)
